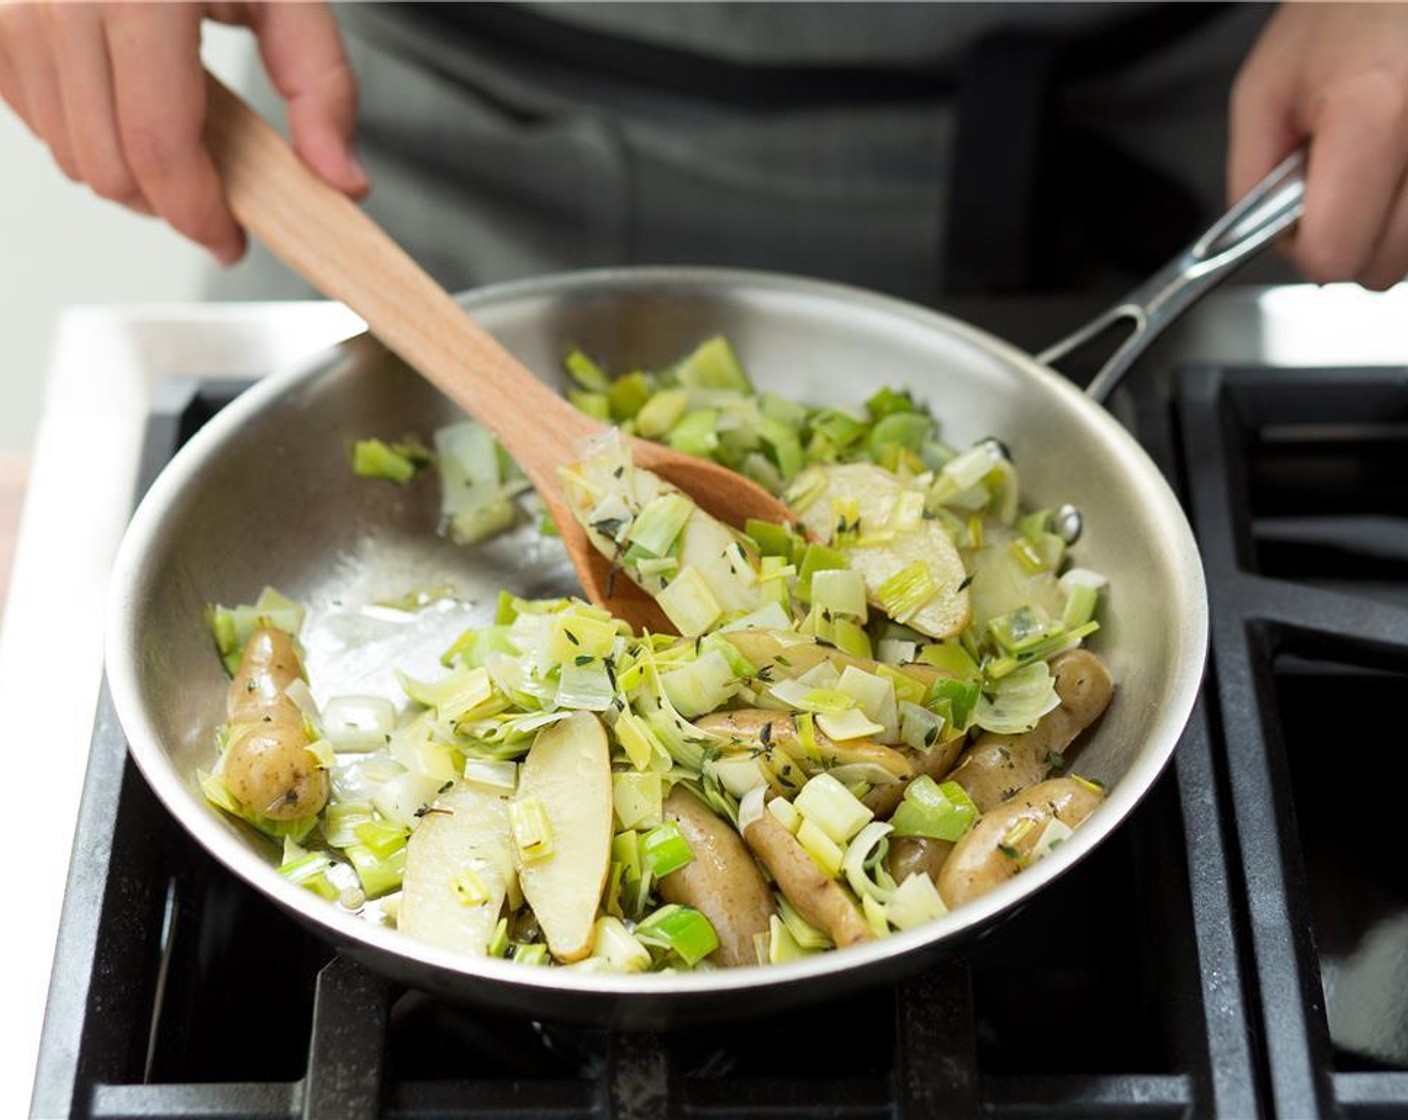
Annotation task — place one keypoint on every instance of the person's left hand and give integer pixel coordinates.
(1336, 76)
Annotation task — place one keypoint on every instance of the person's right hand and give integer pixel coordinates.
(117, 92)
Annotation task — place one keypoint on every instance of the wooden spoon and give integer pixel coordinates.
(328, 240)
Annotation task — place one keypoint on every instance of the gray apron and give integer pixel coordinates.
(915, 149)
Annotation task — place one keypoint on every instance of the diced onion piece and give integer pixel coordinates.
(358, 723)
(914, 902)
(689, 603)
(831, 807)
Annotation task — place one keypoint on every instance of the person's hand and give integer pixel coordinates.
(1335, 75)
(117, 92)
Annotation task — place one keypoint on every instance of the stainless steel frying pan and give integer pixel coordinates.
(263, 495)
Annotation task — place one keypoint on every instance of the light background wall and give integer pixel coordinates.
(60, 244)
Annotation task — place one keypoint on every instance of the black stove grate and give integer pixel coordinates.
(1173, 974)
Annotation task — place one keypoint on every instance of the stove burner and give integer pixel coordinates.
(1177, 972)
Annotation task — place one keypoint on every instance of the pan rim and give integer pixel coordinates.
(1187, 659)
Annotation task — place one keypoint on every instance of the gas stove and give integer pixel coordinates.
(1238, 948)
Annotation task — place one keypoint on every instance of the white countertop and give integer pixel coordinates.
(106, 364)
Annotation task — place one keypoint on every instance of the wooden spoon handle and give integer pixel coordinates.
(333, 244)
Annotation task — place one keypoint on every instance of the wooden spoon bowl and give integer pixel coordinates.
(328, 240)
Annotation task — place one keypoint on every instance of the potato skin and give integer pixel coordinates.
(917, 855)
(978, 863)
(746, 725)
(998, 766)
(267, 766)
(820, 900)
(722, 882)
(937, 763)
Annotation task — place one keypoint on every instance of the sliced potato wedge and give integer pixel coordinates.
(568, 772)
(875, 491)
(458, 852)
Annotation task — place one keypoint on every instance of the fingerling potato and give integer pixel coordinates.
(998, 766)
(1001, 844)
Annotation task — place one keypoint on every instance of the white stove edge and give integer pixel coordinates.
(105, 367)
(106, 364)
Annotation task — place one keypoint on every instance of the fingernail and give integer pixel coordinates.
(227, 255)
(359, 170)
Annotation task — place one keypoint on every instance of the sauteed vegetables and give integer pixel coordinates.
(863, 721)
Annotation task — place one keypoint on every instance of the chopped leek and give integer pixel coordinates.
(681, 930)
(905, 593)
(689, 603)
(830, 805)
(663, 850)
(371, 458)
(636, 798)
(914, 902)
(532, 832)
(940, 811)
(825, 852)
(660, 522)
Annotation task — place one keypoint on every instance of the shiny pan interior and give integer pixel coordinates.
(263, 494)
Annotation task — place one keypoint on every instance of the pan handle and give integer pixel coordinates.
(1253, 222)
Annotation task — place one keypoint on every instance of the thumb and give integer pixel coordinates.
(303, 54)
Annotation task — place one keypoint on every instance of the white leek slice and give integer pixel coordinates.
(358, 723)
(1018, 701)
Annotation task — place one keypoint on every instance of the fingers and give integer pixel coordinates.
(34, 77)
(1357, 158)
(91, 116)
(303, 53)
(1389, 264)
(159, 95)
(1261, 126)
